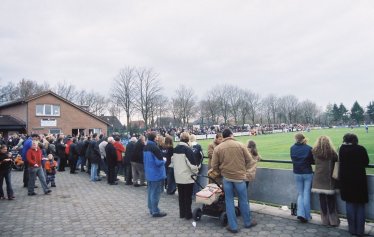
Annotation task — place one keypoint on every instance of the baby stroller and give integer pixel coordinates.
(212, 199)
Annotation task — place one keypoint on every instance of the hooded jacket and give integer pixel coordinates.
(154, 165)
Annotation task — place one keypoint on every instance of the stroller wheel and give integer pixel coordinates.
(196, 214)
(223, 218)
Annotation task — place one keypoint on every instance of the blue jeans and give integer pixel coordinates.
(155, 189)
(6, 174)
(81, 161)
(356, 218)
(172, 186)
(241, 190)
(94, 168)
(33, 172)
(304, 186)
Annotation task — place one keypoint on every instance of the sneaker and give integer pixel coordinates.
(11, 198)
(53, 185)
(231, 230)
(161, 214)
(253, 223)
(32, 194)
(2, 198)
(47, 192)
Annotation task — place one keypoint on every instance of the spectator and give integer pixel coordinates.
(353, 182)
(103, 162)
(325, 156)
(50, 168)
(94, 156)
(302, 159)
(154, 167)
(130, 148)
(211, 147)
(34, 159)
(73, 155)
(111, 157)
(120, 150)
(167, 152)
(184, 165)
(232, 160)
(5, 172)
(26, 146)
(60, 150)
(137, 164)
(251, 173)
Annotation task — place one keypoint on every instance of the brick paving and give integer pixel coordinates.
(78, 207)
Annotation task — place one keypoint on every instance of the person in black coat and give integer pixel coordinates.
(137, 163)
(93, 153)
(353, 182)
(111, 157)
(73, 156)
(130, 149)
(60, 151)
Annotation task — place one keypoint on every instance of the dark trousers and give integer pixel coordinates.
(356, 218)
(111, 173)
(73, 165)
(329, 213)
(185, 200)
(6, 174)
(25, 174)
(128, 173)
(62, 164)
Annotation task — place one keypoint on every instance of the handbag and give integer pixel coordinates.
(335, 171)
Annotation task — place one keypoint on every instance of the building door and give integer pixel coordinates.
(77, 132)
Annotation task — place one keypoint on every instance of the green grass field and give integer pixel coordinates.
(277, 146)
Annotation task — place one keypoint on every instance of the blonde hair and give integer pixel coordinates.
(192, 138)
(323, 148)
(299, 137)
(185, 137)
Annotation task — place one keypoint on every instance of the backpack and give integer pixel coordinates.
(198, 154)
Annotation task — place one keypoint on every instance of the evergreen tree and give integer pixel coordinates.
(370, 110)
(357, 113)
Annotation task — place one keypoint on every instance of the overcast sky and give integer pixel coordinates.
(321, 50)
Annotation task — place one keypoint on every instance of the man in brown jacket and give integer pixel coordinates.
(232, 160)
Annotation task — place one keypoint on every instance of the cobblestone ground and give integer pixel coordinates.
(78, 207)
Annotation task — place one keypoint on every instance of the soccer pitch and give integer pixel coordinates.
(277, 146)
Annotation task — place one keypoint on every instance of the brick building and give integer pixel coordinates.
(48, 112)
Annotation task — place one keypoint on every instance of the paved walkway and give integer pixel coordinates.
(78, 207)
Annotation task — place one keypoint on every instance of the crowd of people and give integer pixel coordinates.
(154, 161)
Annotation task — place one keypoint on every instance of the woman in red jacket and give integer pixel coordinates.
(34, 159)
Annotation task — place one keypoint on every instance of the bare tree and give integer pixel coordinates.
(212, 106)
(124, 91)
(223, 97)
(185, 101)
(308, 111)
(290, 107)
(254, 102)
(66, 90)
(234, 101)
(270, 104)
(96, 103)
(147, 88)
(161, 107)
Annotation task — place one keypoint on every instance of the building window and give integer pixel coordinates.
(48, 110)
(55, 131)
(97, 130)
